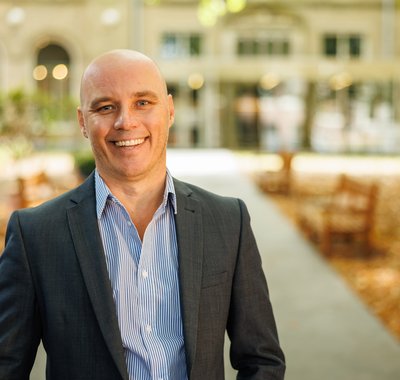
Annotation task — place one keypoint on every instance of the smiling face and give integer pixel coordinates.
(126, 113)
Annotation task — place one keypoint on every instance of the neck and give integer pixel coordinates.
(140, 198)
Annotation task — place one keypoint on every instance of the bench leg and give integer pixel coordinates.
(326, 242)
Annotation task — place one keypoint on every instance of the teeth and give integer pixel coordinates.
(129, 142)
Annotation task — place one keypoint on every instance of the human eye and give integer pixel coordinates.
(144, 100)
(142, 103)
(104, 108)
(102, 105)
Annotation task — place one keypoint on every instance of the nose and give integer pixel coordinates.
(126, 119)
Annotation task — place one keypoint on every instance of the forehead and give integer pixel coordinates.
(117, 77)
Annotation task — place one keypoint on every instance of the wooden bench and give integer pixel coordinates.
(347, 213)
(3, 226)
(34, 190)
(6, 207)
(30, 190)
(278, 181)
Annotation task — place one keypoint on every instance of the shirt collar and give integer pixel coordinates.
(103, 193)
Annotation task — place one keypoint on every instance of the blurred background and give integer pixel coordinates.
(298, 92)
(260, 74)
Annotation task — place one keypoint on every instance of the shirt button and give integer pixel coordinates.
(145, 274)
(129, 223)
(148, 329)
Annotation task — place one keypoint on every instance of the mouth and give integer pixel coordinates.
(133, 142)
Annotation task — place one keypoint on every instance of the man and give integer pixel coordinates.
(134, 274)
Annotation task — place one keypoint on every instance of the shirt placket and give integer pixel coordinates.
(148, 288)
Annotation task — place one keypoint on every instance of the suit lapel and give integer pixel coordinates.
(89, 249)
(189, 228)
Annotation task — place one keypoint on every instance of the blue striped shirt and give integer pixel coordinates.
(145, 284)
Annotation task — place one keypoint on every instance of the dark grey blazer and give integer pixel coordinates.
(54, 286)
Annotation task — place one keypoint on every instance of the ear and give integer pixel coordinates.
(81, 121)
(171, 109)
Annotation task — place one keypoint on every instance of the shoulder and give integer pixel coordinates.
(212, 202)
(200, 193)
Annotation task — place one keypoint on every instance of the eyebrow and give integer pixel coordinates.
(95, 102)
(146, 93)
(139, 94)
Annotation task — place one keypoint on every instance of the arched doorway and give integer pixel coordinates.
(54, 105)
(52, 71)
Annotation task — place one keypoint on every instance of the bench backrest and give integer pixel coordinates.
(356, 196)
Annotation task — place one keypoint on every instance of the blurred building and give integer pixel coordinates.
(275, 75)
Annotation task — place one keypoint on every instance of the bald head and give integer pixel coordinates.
(126, 114)
(113, 61)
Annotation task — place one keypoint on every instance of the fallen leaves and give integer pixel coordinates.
(376, 279)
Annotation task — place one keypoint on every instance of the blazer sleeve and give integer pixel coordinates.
(20, 329)
(255, 350)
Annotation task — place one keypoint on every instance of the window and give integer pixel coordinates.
(330, 46)
(355, 46)
(181, 45)
(342, 45)
(258, 46)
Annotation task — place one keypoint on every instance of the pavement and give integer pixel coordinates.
(326, 332)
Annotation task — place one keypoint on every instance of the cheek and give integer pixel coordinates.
(161, 124)
(96, 129)
(96, 138)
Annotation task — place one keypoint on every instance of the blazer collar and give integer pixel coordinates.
(89, 249)
(189, 227)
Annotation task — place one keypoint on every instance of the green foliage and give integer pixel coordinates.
(22, 113)
(84, 162)
(49, 108)
(14, 112)
(19, 100)
(16, 147)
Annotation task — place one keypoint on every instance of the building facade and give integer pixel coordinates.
(259, 74)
